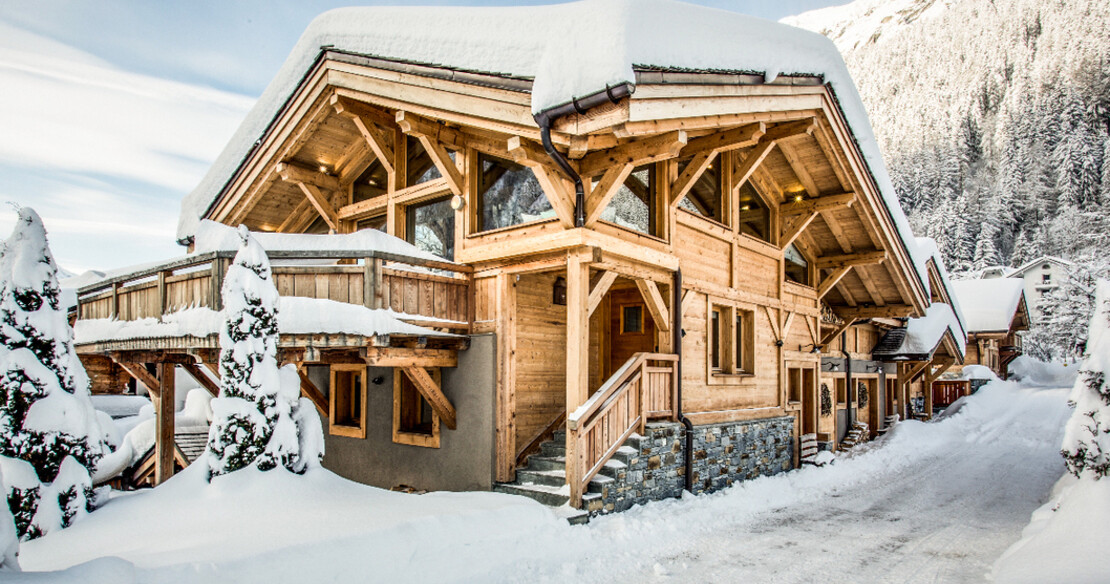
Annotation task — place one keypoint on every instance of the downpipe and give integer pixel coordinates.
(547, 117)
(848, 391)
(676, 331)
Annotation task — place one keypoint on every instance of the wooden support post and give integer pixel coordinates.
(165, 409)
(162, 293)
(115, 300)
(217, 279)
(372, 292)
(578, 362)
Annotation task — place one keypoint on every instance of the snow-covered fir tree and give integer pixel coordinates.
(1086, 446)
(49, 435)
(9, 537)
(259, 420)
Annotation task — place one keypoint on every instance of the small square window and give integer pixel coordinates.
(731, 340)
(632, 319)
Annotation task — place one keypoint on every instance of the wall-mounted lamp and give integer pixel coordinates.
(815, 349)
(831, 367)
(559, 291)
(875, 368)
(378, 380)
(457, 202)
(778, 343)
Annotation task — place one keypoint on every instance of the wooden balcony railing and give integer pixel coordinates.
(375, 280)
(645, 387)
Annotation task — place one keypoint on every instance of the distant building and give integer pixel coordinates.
(1042, 276)
(994, 311)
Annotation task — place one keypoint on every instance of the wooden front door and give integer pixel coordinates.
(631, 329)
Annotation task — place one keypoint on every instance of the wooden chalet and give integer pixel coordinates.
(996, 313)
(728, 245)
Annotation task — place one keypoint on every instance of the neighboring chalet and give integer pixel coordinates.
(994, 313)
(1041, 276)
(575, 246)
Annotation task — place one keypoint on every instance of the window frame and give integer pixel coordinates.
(409, 438)
(657, 218)
(410, 220)
(732, 342)
(477, 198)
(336, 429)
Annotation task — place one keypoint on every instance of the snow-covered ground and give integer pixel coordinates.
(931, 502)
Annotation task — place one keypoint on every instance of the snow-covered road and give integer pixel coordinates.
(937, 503)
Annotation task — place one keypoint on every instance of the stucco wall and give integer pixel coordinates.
(464, 460)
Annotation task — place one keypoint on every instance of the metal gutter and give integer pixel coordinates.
(545, 118)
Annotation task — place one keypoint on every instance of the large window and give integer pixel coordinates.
(508, 194)
(797, 268)
(755, 218)
(634, 205)
(347, 403)
(414, 421)
(430, 226)
(706, 198)
(373, 182)
(420, 166)
(731, 340)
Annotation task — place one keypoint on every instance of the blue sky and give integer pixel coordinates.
(112, 110)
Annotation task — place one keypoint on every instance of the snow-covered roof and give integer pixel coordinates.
(921, 336)
(989, 305)
(1020, 271)
(296, 315)
(927, 249)
(213, 236)
(570, 50)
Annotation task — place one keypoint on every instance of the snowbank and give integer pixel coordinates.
(981, 372)
(1031, 372)
(1066, 539)
(296, 315)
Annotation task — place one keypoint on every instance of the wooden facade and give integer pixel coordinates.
(752, 197)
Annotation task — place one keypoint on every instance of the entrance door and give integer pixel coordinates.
(631, 329)
(809, 401)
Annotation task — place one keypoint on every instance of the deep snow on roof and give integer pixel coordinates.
(1020, 271)
(213, 236)
(922, 335)
(989, 305)
(569, 50)
(927, 249)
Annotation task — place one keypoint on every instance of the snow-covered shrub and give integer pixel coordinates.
(47, 421)
(1087, 436)
(9, 538)
(257, 420)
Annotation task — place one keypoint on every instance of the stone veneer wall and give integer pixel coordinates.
(652, 467)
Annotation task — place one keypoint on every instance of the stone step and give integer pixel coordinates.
(544, 494)
(551, 478)
(538, 462)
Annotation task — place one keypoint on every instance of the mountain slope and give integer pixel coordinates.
(994, 118)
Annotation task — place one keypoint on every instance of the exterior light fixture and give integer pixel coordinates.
(746, 208)
(323, 169)
(457, 202)
(559, 291)
(798, 198)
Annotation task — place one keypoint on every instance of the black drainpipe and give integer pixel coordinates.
(676, 330)
(544, 120)
(847, 379)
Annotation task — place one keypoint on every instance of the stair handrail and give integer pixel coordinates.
(587, 415)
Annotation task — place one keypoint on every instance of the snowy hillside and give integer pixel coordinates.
(994, 118)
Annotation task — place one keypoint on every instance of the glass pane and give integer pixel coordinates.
(371, 223)
(510, 195)
(704, 197)
(754, 217)
(715, 340)
(420, 166)
(373, 182)
(741, 363)
(632, 319)
(797, 268)
(631, 206)
(431, 228)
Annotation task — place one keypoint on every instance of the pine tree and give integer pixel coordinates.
(257, 419)
(47, 422)
(1086, 448)
(9, 537)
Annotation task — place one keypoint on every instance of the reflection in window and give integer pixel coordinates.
(706, 196)
(509, 194)
(373, 182)
(431, 227)
(420, 166)
(632, 206)
(797, 268)
(755, 218)
(372, 223)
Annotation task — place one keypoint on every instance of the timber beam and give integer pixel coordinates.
(310, 184)
(742, 137)
(313, 393)
(139, 372)
(847, 260)
(600, 289)
(655, 304)
(817, 205)
(402, 357)
(637, 153)
(600, 196)
(428, 132)
(370, 123)
(747, 167)
(790, 130)
(831, 280)
(793, 227)
(559, 193)
(690, 175)
(206, 382)
(433, 394)
(865, 312)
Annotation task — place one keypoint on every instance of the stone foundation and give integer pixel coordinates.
(652, 467)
